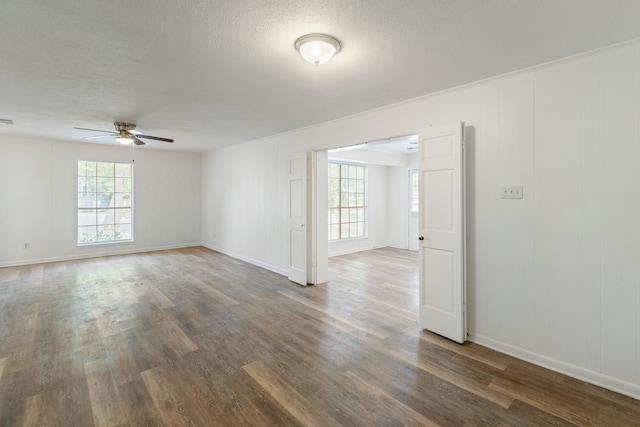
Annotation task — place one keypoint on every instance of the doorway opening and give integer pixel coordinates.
(442, 272)
(387, 202)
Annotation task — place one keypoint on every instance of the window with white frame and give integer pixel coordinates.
(105, 202)
(347, 205)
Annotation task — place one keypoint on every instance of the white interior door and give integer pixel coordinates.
(297, 219)
(442, 231)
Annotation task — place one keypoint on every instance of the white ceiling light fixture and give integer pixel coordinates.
(125, 139)
(317, 48)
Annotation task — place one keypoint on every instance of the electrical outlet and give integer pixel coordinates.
(511, 192)
(25, 246)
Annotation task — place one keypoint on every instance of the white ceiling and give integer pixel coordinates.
(212, 73)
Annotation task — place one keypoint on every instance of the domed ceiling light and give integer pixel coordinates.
(125, 139)
(317, 48)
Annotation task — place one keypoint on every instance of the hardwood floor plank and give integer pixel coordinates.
(8, 274)
(171, 334)
(37, 413)
(365, 328)
(387, 403)
(177, 402)
(138, 404)
(15, 389)
(152, 295)
(20, 338)
(259, 410)
(456, 379)
(124, 364)
(106, 403)
(217, 295)
(170, 407)
(63, 406)
(609, 402)
(551, 397)
(291, 400)
(377, 296)
(470, 350)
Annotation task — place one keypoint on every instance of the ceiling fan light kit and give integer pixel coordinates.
(317, 48)
(125, 134)
(125, 139)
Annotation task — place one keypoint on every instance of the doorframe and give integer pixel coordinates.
(318, 243)
(318, 253)
(410, 172)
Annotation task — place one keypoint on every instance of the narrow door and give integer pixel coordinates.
(442, 228)
(297, 219)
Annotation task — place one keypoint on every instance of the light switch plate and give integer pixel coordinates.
(511, 192)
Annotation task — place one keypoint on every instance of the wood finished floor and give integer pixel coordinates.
(193, 337)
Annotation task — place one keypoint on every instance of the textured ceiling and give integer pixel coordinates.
(211, 73)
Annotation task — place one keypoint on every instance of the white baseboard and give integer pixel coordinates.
(261, 264)
(596, 378)
(350, 251)
(362, 249)
(405, 247)
(120, 251)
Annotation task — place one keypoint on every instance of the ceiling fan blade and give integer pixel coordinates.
(98, 130)
(157, 138)
(137, 141)
(98, 136)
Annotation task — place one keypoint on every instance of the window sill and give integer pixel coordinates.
(116, 242)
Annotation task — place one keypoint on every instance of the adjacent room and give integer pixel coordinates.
(320, 213)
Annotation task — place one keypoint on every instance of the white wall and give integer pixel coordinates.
(398, 207)
(243, 189)
(552, 278)
(38, 199)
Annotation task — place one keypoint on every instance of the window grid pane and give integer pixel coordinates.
(346, 201)
(105, 199)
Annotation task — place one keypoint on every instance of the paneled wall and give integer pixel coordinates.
(553, 278)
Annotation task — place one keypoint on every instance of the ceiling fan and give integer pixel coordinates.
(125, 133)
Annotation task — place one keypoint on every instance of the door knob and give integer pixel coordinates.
(421, 238)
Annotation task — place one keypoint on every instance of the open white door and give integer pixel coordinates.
(298, 218)
(442, 231)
